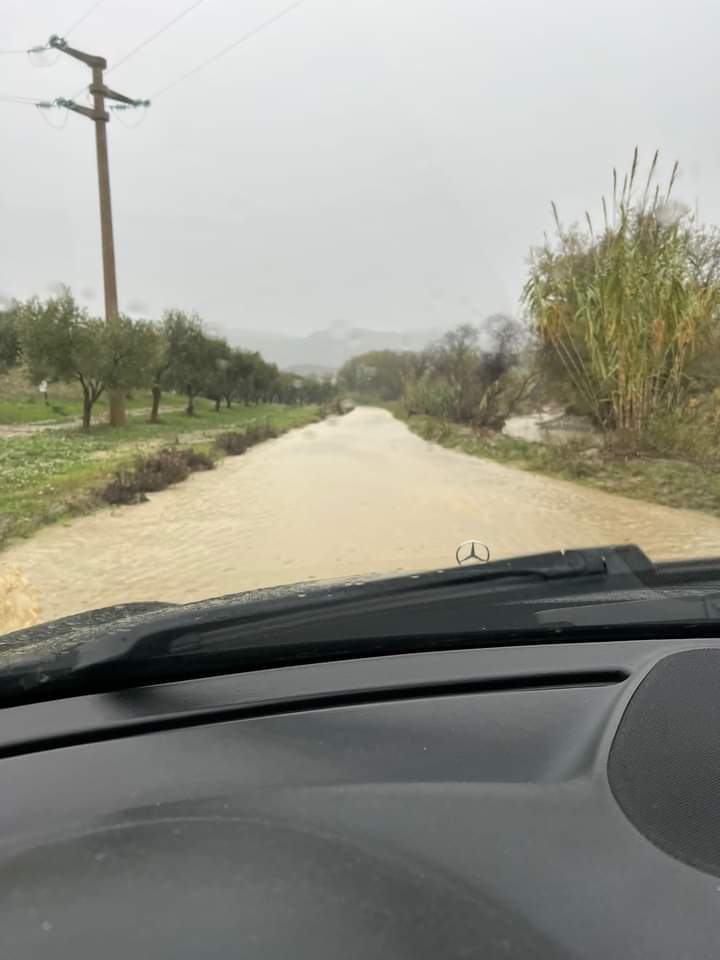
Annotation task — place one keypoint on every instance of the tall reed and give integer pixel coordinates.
(623, 308)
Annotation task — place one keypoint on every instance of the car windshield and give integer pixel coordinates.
(310, 291)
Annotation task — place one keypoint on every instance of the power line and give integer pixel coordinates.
(70, 29)
(148, 40)
(194, 70)
(44, 109)
(153, 36)
(12, 98)
(231, 46)
(83, 18)
(37, 49)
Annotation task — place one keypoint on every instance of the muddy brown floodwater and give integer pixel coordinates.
(350, 496)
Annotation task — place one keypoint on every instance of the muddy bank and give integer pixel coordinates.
(350, 496)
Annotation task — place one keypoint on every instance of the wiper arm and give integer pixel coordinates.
(182, 633)
(630, 612)
(321, 622)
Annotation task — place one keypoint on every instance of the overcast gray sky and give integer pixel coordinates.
(383, 163)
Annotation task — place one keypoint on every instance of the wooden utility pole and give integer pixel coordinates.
(99, 115)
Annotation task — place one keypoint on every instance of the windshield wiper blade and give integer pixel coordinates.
(324, 621)
(182, 633)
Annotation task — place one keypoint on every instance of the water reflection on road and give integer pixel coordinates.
(351, 496)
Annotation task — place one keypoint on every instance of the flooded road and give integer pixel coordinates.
(350, 496)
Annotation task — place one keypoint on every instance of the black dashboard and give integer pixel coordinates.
(555, 800)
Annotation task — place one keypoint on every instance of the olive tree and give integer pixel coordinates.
(9, 338)
(236, 380)
(60, 341)
(378, 375)
(218, 364)
(159, 368)
(192, 355)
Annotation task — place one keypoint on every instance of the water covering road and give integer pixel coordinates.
(347, 497)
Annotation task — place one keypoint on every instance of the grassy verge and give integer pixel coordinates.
(20, 401)
(673, 483)
(29, 410)
(53, 475)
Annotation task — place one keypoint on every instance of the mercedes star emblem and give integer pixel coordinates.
(472, 551)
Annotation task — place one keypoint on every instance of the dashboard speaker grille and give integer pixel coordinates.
(664, 764)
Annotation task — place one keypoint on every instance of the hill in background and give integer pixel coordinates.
(325, 351)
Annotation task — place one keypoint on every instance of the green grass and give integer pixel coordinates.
(51, 475)
(20, 401)
(31, 410)
(673, 483)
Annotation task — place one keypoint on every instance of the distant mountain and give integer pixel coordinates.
(310, 370)
(327, 350)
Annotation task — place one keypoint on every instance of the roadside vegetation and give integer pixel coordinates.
(56, 474)
(22, 404)
(182, 387)
(621, 330)
(83, 360)
(154, 473)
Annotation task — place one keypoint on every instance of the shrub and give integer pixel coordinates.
(259, 433)
(151, 474)
(197, 460)
(122, 490)
(428, 395)
(236, 442)
(685, 437)
(158, 472)
(338, 407)
(232, 444)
